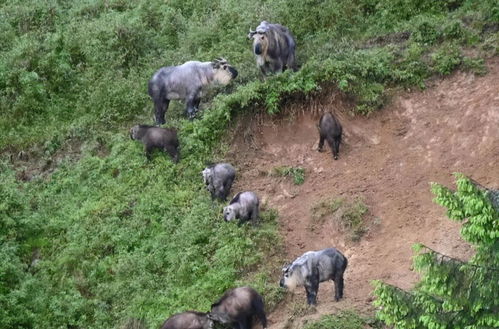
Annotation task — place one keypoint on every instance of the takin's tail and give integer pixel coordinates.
(345, 264)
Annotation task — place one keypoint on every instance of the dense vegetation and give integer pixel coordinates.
(452, 293)
(90, 232)
(343, 320)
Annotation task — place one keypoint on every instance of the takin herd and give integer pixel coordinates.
(274, 49)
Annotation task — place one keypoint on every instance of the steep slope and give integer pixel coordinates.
(388, 160)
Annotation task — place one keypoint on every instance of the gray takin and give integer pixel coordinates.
(237, 307)
(187, 82)
(274, 48)
(188, 320)
(244, 206)
(164, 139)
(330, 129)
(218, 179)
(314, 267)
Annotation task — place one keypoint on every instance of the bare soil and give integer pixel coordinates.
(388, 159)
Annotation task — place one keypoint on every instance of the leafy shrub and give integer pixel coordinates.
(348, 214)
(446, 59)
(297, 173)
(343, 320)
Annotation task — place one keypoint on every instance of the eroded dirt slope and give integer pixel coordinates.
(388, 160)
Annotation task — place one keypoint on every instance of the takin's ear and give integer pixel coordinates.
(217, 63)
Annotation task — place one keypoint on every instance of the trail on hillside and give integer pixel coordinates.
(388, 160)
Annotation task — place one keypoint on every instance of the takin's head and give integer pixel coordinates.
(218, 314)
(260, 42)
(224, 73)
(290, 278)
(229, 213)
(207, 175)
(138, 131)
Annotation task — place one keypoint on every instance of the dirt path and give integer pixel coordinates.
(389, 160)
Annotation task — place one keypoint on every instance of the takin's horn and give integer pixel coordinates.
(251, 34)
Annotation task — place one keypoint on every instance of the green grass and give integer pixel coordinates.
(343, 320)
(348, 214)
(296, 173)
(123, 238)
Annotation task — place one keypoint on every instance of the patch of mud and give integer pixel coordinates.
(388, 159)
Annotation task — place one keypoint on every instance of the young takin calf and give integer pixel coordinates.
(152, 137)
(188, 320)
(330, 129)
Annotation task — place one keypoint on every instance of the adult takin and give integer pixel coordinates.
(189, 319)
(218, 179)
(243, 206)
(274, 47)
(330, 129)
(187, 82)
(238, 307)
(164, 139)
(314, 267)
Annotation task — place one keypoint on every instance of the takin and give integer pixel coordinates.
(218, 179)
(330, 129)
(152, 137)
(187, 82)
(244, 206)
(274, 48)
(314, 267)
(238, 306)
(188, 320)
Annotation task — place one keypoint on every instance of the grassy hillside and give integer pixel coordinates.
(91, 232)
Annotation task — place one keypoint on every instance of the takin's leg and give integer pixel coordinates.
(255, 214)
(337, 141)
(148, 150)
(191, 102)
(197, 101)
(311, 288)
(330, 141)
(290, 63)
(246, 323)
(277, 67)
(260, 313)
(172, 151)
(338, 286)
(226, 191)
(160, 107)
(321, 143)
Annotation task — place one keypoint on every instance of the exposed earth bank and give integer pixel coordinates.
(388, 161)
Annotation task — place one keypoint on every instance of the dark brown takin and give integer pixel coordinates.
(238, 307)
(330, 129)
(164, 139)
(188, 320)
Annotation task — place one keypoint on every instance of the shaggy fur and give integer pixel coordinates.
(330, 129)
(274, 48)
(238, 307)
(187, 82)
(156, 138)
(188, 320)
(314, 267)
